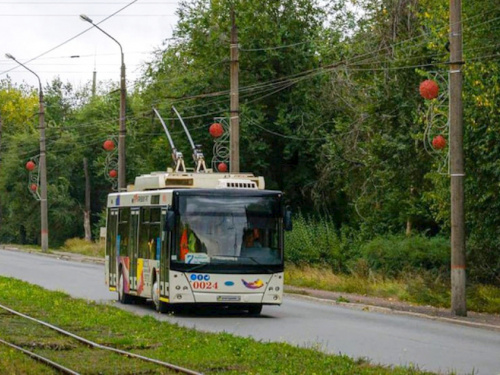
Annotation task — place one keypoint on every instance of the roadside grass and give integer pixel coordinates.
(72, 245)
(423, 288)
(80, 246)
(205, 352)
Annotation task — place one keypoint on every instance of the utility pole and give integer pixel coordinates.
(44, 232)
(122, 185)
(86, 213)
(1, 126)
(458, 299)
(122, 121)
(43, 176)
(94, 79)
(234, 129)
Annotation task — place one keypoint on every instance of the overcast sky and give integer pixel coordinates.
(31, 28)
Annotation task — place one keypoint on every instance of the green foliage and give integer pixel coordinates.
(329, 111)
(318, 242)
(393, 255)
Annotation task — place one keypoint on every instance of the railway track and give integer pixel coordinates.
(81, 342)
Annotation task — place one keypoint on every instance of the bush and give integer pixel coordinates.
(316, 242)
(397, 253)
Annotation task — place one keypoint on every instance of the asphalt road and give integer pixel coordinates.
(383, 338)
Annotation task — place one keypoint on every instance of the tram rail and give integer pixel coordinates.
(92, 344)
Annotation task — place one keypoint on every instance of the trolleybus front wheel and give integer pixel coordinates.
(254, 309)
(160, 306)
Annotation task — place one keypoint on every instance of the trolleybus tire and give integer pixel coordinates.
(254, 309)
(160, 306)
(122, 296)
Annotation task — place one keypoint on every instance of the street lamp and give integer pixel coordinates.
(43, 162)
(123, 95)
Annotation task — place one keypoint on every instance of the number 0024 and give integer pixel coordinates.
(205, 285)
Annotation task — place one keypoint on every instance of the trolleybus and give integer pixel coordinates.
(197, 238)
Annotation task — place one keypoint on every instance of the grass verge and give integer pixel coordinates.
(80, 246)
(421, 288)
(205, 352)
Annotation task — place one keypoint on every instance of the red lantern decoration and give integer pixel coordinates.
(222, 167)
(216, 130)
(439, 142)
(429, 89)
(34, 187)
(108, 145)
(30, 166)
(113, 173)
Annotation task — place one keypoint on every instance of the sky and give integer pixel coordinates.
(32, 28)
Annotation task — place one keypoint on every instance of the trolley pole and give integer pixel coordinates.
(43, 164)
(458, 277)
(234, 131)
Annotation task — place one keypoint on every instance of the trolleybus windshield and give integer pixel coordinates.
(228, 233)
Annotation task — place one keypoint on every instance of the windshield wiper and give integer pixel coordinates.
(196, 267)
(259, 263)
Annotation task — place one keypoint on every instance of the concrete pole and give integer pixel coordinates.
(122, 184)
(234, 128)
(123, 96)
(44, 232)
(86, 212)
(43, 176)
(458, 276)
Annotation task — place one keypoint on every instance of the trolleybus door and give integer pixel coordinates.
(134, 243)
(111, 243)
(164, 255)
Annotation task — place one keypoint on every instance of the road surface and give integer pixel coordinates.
(383, 338)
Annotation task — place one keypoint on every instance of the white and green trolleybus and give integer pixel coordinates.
(207, 238)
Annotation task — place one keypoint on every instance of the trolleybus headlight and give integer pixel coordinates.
(275, 298)
(178, 287)
(277, 288)
(185, 288)
(179, 296)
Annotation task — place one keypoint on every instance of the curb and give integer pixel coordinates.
(56, 254)
(388, 310)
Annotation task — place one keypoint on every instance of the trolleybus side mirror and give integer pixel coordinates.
(288, 219)
(169, 221)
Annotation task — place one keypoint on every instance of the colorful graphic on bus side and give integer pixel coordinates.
(253, 285)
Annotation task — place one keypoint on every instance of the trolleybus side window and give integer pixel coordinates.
(123, 230)
(150, 232)
(144, 232)
(155, 233)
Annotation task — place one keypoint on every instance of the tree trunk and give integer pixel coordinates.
(408, 227)
(86, 213)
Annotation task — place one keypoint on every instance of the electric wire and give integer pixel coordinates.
(278, 81)
(73, 37)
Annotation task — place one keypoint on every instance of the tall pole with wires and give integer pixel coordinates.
(123, 96)
(234, 127)
(458, 279)
(44, 231)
